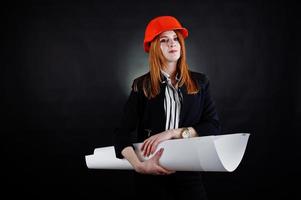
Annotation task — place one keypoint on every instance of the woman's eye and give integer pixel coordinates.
(163, 40)
(176, 39)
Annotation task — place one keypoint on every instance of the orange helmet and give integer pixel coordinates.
(159, 25)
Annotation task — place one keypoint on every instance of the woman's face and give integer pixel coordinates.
(170, 46)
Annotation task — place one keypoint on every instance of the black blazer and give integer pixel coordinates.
(143, 117)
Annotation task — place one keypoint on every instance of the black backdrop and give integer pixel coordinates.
(66, 70)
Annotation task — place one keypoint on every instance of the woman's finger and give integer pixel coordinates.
(150, 145)
(145, 146)
(167, 171)
(144, 143)
(159, 139)
(154, 146)
(162, 170)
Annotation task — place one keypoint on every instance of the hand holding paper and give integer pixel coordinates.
(207, 153)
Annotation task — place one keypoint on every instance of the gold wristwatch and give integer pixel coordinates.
(185, 133)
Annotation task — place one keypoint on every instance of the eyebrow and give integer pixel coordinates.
(164, 36)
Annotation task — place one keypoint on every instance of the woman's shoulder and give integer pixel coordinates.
(199, 77)
(138, 81)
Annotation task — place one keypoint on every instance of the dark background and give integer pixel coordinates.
(66, 70)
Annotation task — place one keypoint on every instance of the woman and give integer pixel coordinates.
(168, 102)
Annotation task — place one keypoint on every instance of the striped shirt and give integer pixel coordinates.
(172, 102)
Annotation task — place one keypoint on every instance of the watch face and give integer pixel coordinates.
(185, 134)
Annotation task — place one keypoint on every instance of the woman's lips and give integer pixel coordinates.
(172, 51)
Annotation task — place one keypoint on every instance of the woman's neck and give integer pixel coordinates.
(171, 69)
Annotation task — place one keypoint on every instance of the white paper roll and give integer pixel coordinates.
(207, 153)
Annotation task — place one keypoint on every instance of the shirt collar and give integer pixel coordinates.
(166, 76)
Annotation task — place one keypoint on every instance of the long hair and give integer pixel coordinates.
(157, 61)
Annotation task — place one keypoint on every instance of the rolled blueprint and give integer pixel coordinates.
(207, 153)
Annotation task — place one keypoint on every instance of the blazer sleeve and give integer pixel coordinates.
(209, 123)
(128, 124)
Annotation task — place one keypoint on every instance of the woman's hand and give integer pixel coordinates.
(149, 145)
(152, 166)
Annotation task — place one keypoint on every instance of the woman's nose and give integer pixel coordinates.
(172, 43)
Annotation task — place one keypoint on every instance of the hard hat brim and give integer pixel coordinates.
(147, 41)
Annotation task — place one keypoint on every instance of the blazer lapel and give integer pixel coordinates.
(185, 104)
(159, 109)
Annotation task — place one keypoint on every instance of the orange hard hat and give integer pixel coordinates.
(159, 25)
